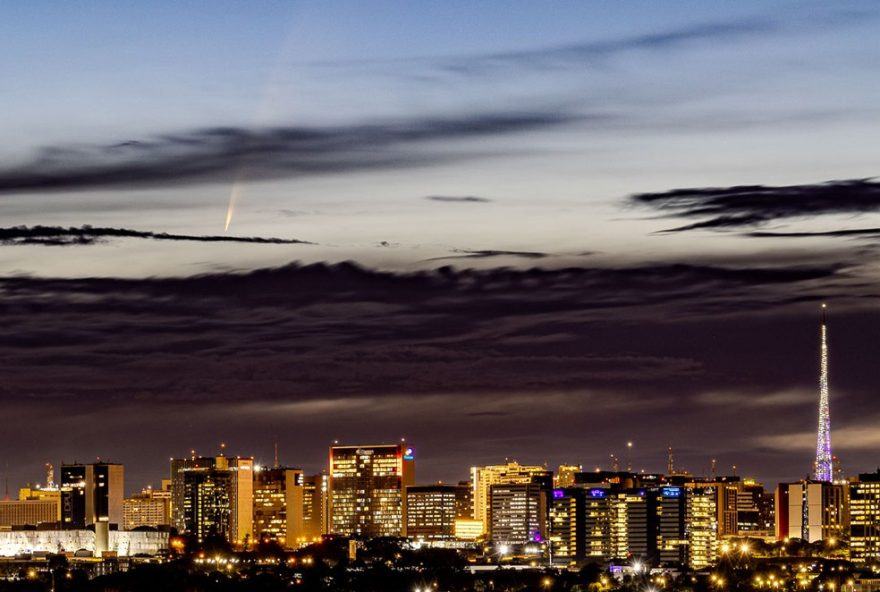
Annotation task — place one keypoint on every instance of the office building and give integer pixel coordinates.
(701, 527)
(151, 507)
(213, 496)
(517, 513)
(565, 476)
(278, 505)
(512, 473)
(431, 511)
(864, 518)
(628, 525)
(565, 526)
(91, 493)
(316, 489)
(669, 505)
(811, 510)
(367, 485)
(33, 512)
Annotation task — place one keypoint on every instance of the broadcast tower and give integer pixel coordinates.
(823, 467)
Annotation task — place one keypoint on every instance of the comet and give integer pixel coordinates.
(233, 198)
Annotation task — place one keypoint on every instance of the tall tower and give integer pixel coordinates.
(823, 468)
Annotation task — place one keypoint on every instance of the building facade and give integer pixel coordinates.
(812, 511)
(91, 493)
(367, 489)
(431, 511)
(213, 496)
(517, 513)
(278, 505)
(511, 473)
(150, 507)
(864, 518)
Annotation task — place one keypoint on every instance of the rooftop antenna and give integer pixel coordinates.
(50, 476)
(714, 463)
(276, 452)
(670, 464)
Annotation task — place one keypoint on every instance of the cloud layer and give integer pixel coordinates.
(89, 235)
(754, 205)
(504, 361)
(225, 153)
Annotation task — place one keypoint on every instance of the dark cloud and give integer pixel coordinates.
(844, 233)
(89, 235)
(477, 364)
(753, 205)
(489, 253)
(359, 330)
(462, 199)
(225, 153)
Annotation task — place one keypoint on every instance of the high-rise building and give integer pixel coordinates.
(464, 502)
(628, 528)
(565, 475)
(669, 505)
(512, 473)
(278, 505)
(367, 485)
(431, 511)
(824, 465)
(701, 527)
(91, 493)
(864, 518)
(517, 513)
(565, 529)
(811, 511)
(213, 496)
(754, 510)
(151, 507)
(316, 490)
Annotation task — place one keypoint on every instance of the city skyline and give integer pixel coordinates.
(496, 231)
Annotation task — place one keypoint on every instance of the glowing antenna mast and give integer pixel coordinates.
(824, 462)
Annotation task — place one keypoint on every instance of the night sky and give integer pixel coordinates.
(502, 230)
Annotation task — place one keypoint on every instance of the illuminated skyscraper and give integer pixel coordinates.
(278, 505)
(565, 526)
(518, 513)
(151, 507)
(701, 527)
(579, 525)
(316, 489)
(91, 493)
(214, 496)
(431, 511)
(811, 511)
(512, 473)
(824, 469)
(864, 518)
(565, 475)
(367, 489)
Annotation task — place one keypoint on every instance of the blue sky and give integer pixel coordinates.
(342, 123)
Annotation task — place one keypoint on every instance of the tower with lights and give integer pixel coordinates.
(824, 461)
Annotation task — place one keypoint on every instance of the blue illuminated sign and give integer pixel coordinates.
(409, 454)
(558, 494)
(597, 493)
(671, 492)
